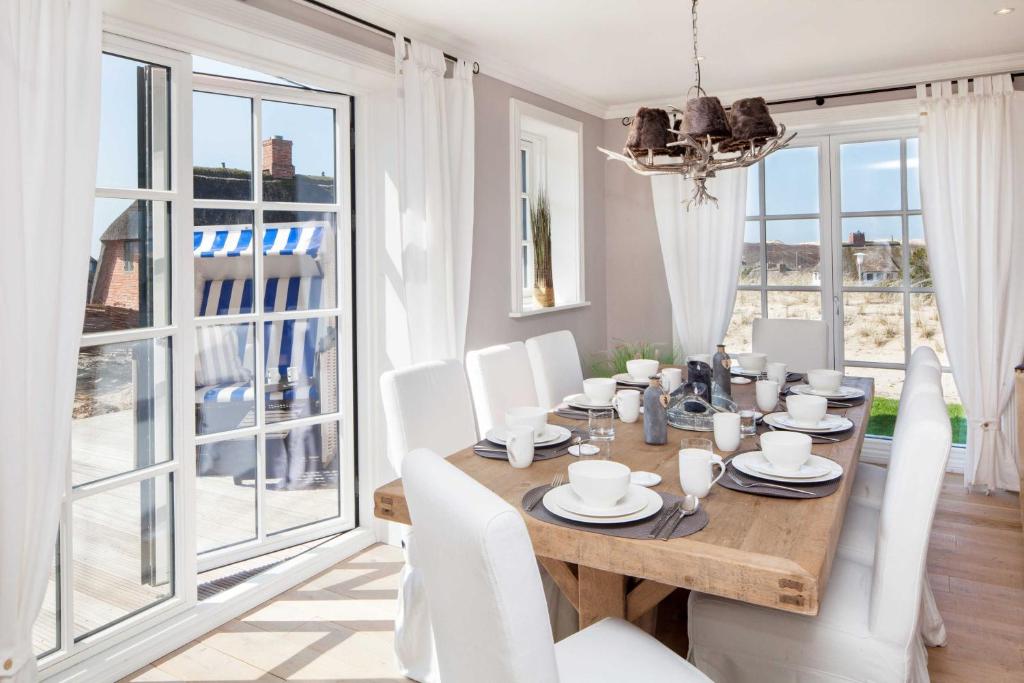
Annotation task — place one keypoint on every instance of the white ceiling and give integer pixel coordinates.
(604, 53)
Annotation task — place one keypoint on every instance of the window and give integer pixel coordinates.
(211, 417)
(834, 232)
(546, 162)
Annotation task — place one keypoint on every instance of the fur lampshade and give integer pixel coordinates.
(704, 116)
(750, 120)
(649, 131)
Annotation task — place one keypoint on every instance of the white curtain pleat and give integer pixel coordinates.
(436, 152)
(701, 248)
(974, 229)
(49, 112)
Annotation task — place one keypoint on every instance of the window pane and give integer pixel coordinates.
(750, 268)
(870, 176)
(299, 265)
(221, 146)
(913, 177)
(205, 65)
(225, 493)
(301, 368)
(920, 270)
(524, 208)
(791, 181)
(223, 257)
(121, 419)
(224, 362)
(888, 385)
(873, 326)
(523, 186)
(302, 476)
(298, 153)
(122, 552)
(46, 629)
(925, 329)
(801, 305)
(135, 140)
(793, 251)
(873, 251)
(748, 307)
(754, 190)
(129, 266)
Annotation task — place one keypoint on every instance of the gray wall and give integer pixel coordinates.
(489, 321)
(638, 303)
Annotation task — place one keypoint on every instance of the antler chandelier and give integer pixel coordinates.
(701, 139)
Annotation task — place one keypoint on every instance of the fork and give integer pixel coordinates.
(746, 485)
(556, 481)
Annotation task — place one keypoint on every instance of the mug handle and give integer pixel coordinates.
(616, 400)
(717, 460)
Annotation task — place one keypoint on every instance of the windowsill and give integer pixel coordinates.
(551, 309)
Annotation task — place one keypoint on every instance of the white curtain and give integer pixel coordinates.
(436, 152)
(49, 113)
(975, 236)
(701, 249)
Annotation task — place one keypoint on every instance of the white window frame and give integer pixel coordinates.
(521, 293)
(341, 312)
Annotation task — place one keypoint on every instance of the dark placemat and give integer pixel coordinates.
(691, 524)
(817, 490)
(546, 453)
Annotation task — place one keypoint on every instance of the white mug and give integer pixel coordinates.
(777, 372)
(627, 403)
(519, 444)
(727, 431)
(767, 394)
(671, 378)
(695, 466)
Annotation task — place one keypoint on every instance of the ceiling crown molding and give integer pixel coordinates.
(513, 74)
(840, 84)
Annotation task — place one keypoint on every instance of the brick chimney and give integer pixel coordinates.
(277, 158)
(856, 237)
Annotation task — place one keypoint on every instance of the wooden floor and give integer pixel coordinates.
(337, 627)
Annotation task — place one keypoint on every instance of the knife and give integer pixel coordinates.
(665, 516)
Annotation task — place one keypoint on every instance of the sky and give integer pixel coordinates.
(222, 131)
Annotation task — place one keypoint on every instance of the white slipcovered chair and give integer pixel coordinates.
(425, 406)
(860, 526)
(557, 372)
(867, 628)
(486, 601)
(500, 378)
(801, 344)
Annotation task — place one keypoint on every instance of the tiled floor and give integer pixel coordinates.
(337, 627)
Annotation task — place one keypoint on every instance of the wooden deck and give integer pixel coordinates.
(107, 558)
(338, 626)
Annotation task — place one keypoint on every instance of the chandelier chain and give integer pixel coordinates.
(696, 55)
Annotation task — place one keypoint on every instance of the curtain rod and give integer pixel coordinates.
(820, 99)
(375, 27)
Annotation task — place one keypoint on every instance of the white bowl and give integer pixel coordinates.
(753, 362)
(599, 389)
(528, 415)
(642, 368)
(825, 380)
(600, 483)
(786, 451)
(806, 411)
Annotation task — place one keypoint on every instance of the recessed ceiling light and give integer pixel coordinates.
(1004, 11)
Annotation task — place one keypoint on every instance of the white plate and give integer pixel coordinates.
(831, 423)
(641, 478)
(552, 435)
(740, 380)
(584, 449)
(737, 370)
(745, 462)
(844, 392)
(626, 378)
(567, 499)
(652, 505)
(581, 401)
(809, 470)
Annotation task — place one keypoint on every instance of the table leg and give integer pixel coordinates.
(602, 594)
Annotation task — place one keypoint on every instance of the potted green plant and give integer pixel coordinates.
(540, 228)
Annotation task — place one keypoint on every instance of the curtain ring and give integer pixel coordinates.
(476, 67)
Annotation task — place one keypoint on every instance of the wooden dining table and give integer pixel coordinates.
(774, 552)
